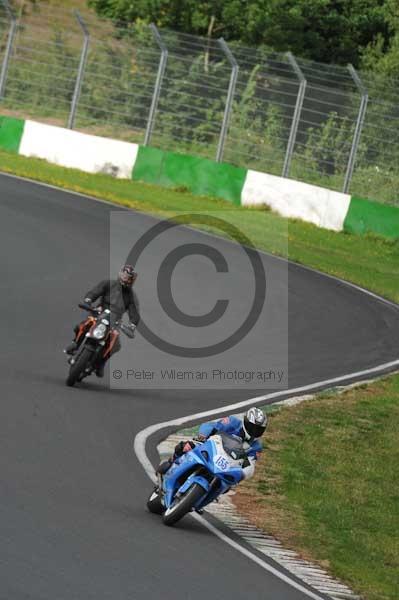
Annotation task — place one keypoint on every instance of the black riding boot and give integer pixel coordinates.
(71, 348)
(164, 466)
(100, 369)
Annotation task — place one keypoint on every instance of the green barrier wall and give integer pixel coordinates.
(11, 131)
(201, 176)
(365, 216)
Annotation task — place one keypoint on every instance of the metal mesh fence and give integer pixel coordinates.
(254, 108)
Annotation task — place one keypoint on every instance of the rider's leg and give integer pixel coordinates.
(74, 345)
(164, 466)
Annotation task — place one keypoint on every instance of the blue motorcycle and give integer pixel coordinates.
(199, 477)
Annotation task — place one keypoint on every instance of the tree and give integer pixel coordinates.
(323, 30)
(382, 54)
(189, 16)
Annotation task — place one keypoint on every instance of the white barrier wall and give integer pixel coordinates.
(297, 200)
(93, 154)
(78, 150)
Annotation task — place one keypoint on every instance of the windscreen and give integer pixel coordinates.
(233, 446)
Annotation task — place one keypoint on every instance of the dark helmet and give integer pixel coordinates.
(127, 276)
(254, 424)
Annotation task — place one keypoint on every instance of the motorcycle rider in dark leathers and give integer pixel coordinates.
(118, 296)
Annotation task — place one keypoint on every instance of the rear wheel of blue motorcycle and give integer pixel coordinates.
(154, 503)
(182, 505)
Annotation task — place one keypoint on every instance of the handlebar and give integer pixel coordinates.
(199, 440)
(85, 306)
(126, 330)
(93, 309)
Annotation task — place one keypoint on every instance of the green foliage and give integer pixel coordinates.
(36, 83)
(113, 89)
(324, 30)
(191, 106)
(327, 148)
(384, 61)
(182, 15)
(382, 54)
(257, 129)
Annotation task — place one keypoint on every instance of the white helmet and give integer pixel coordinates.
(254, 424)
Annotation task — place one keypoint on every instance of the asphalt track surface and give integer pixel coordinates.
(73, 523)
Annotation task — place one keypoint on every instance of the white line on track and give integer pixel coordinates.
(141, 438)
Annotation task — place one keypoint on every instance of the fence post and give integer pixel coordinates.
(358, 129)
(230, 97)
(297, 113)
(158, 83)
(81, 70)
(8, 50)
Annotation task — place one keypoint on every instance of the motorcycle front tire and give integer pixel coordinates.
(78, 368)
(154, 502)
(183, 505)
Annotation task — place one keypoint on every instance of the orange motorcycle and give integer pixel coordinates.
(95, 338)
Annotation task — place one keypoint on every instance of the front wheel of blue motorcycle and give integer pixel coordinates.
(154, 503)
(183, 505)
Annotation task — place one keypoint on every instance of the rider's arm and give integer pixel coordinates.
(206, 429)
(227, 425)
(133, 310)
(97, 291)
(253, 454)
(249, 467)
(255, 449)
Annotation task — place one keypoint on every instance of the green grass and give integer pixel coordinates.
(367, 261)
(329, 485)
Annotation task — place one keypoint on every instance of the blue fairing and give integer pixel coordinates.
(201, 466)
(195, 478)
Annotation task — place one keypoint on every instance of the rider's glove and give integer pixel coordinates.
(88, 300)
(183, 447)
(201, 438)
(132, 328)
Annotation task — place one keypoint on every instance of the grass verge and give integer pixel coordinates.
(367, 261)
(327, 485)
